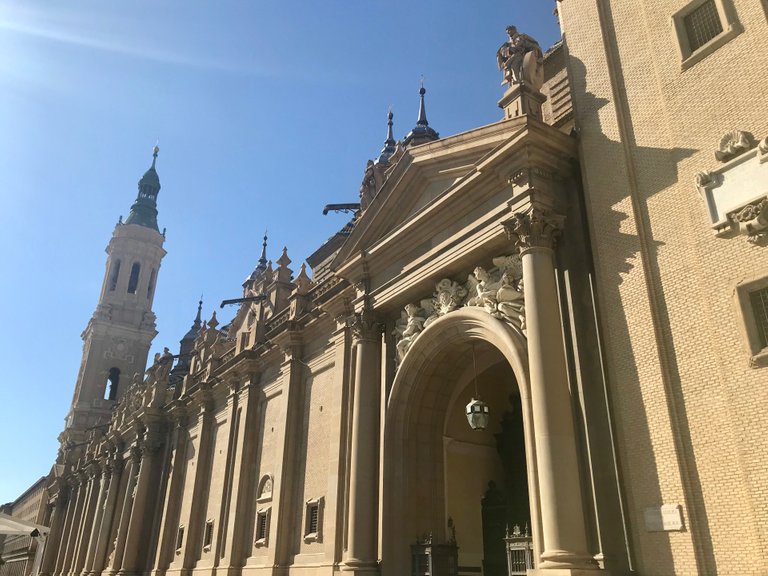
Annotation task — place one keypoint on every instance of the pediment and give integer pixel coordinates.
(444, 204)
(423, 174)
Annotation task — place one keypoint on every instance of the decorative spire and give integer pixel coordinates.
(144, 209)
(263, 259)
(389, 144)
(192, 333)
(421, 133)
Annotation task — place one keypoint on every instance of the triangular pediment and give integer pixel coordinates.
(423, 174)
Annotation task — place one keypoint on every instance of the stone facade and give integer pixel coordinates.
(566, 265)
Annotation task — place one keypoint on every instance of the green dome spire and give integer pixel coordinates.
(144, 209)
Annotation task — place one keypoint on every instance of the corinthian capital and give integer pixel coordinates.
(534, 228)
(364, 327)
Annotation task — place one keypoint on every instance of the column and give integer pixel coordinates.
(124, 516)
(534, 229)
(98, 514)
(77, 520)
(55, 535)
(115, 468)
(67, 528)
(173, 494)
(140, 516)
(89, 508)
(362, 542)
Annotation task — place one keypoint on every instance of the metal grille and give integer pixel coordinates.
(261, 532)
(314, 516)
(759, 301)
(702, 24)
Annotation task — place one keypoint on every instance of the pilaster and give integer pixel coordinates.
(534, 228)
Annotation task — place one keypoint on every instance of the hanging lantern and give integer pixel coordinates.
(478, 414)
(477, 411)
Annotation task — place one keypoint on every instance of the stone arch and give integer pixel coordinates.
(442, 349)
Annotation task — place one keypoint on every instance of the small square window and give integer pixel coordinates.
(313, 520)
(208, 535)
(752, 299)
(262, 526)
(702, 27)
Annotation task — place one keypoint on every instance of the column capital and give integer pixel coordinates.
(365, 327)
(534, 227)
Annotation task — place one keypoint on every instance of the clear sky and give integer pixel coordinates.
(265, 111)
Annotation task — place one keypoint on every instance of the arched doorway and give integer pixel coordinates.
(435, 467)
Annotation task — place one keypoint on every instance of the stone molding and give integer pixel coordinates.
(534, 228)
(498, 291)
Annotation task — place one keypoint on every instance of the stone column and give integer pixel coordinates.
(67, 528)
(77, 521)
(98, 514)
(107, 517)
(140, 516)
(55, 535)
(95, 475)
(173, 493)
(124, 517)
(362, 532)
(534, 229)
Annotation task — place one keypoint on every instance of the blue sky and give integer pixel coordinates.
(264, 110)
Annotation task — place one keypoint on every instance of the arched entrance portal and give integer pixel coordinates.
(436, 467)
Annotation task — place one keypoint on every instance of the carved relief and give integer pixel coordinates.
(534, 229)
(752, 220)
(732, 144)
(498, 291)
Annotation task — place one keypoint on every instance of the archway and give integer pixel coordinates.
(434, 466)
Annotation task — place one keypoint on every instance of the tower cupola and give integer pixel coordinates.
(390, 144)
(144, 209)
(421, 133)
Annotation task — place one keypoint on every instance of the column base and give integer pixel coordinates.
(363, 567)
(568, 572)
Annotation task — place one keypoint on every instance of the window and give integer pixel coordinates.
(752, 297)
(110, 388)
(313, 521)
(759, 301)
(179, 539)
(208, 535)
(702, 27)
(151, 285)
(133, 281)
(113, 275)
(262, 526)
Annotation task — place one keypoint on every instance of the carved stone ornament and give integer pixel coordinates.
(499, 291)
(534, 229)
(364, 328)
(732, 144)
(734, 193)
(752, 220)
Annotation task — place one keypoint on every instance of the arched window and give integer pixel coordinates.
(133, 281)
(113, 275)
(151, 285)
(110, 389)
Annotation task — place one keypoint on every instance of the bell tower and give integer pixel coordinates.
(117, 338)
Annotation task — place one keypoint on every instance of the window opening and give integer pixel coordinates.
(208, 535)
(113, 275)
(759, 301)
(702, 25)
(262, 526)
(151, 285)
(180, 538)
(133, 281)
(110, 390)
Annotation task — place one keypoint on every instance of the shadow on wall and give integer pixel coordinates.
(618, 249)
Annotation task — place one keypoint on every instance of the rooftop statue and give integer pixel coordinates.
(521, 60)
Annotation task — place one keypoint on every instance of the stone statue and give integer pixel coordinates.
(413, 327)
(521, 60)
(485, 287)
(510, 301)
(164, 365)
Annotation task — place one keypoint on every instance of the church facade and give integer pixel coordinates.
(539, 346)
